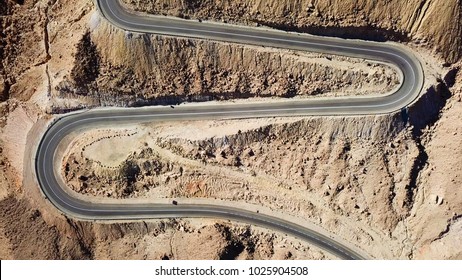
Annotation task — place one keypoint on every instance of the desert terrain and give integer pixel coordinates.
(387, 184)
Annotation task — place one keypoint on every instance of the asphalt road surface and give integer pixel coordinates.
(52, 185)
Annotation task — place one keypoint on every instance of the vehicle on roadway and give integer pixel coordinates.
(410, 86)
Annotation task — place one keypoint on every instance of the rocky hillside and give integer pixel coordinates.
(158, 70)
(430, 23)
(61, 238)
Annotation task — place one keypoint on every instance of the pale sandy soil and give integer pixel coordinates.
(111, 152)
(14, 135)
(209, 129)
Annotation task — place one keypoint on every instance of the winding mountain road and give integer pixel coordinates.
(48, 162)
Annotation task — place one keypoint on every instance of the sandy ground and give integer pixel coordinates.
(111, 152)
(15, 135)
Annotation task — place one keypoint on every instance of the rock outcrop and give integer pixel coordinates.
(431, 23)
